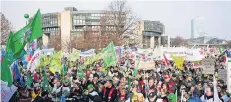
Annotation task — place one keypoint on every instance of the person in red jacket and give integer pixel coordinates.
(169, 82)
(109, 92)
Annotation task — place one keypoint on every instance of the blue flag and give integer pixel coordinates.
(16, 72)
(228, 53)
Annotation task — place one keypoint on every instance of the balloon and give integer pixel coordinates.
(26, 15)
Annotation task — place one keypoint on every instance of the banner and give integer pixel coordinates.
(7, 92)
(35, 61)
(188, 54)
(47, 51)
(87, 53)
(109, 56)
(193, 55)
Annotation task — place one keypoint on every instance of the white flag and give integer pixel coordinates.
(34, 61)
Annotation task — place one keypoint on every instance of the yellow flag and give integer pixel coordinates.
(55, 64)
(74, 55)
(179, 61)
(91, 59)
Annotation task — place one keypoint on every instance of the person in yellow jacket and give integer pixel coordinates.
(37, 91)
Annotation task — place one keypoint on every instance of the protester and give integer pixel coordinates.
(109, 91)
(123, 82)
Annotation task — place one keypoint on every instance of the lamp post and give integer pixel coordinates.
(26, 16)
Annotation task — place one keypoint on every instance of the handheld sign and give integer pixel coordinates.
(222, 74)
(208, 66)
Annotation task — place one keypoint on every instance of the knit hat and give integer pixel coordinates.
(90, 86)
(107, 78)
(66, 81)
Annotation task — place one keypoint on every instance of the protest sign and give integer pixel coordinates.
(145, 65)
(208, 66)
(222, 74)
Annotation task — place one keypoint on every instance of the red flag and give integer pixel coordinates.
(166, 61)
(225, 58)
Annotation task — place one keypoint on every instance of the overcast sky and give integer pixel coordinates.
(175, 15)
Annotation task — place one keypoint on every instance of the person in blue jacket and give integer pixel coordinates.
(195, 96)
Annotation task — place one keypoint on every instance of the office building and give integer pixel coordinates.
(151, 34)
(198, 27)
(81, 29)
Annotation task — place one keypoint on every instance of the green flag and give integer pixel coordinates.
(9, 52)
(221, 49)
(80, 71)
(136, 69)
(109, 56)
(64, 70)
(29, 80)
(31, 31)
(173, 97)
(6, 74)
(45, 84)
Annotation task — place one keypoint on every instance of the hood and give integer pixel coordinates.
(196, 92)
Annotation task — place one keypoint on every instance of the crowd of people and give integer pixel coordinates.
(121, 83)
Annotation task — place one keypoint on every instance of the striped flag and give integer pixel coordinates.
(166, 61)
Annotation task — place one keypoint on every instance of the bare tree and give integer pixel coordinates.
(68, 44)
(178, 41)
(118, 20)
(55, 41)
(5, 28)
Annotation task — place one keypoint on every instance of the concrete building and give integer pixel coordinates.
(71, 25)
(151, 34)
(198, 28)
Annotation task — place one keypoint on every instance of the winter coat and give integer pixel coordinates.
(225, 98)
(205, 99)
(66, 91)
(56, 92)
(194, 99)
(94, 97)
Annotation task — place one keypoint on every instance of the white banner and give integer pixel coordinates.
(193, 55)
(35, 60)
(7, 92)
(47, 51)
(188, 54)
(87, 53)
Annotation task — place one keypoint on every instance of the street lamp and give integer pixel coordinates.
(26, 16)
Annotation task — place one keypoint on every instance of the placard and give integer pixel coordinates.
(208, 66)
(222, 74)
(148, 65)
(6, 92)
